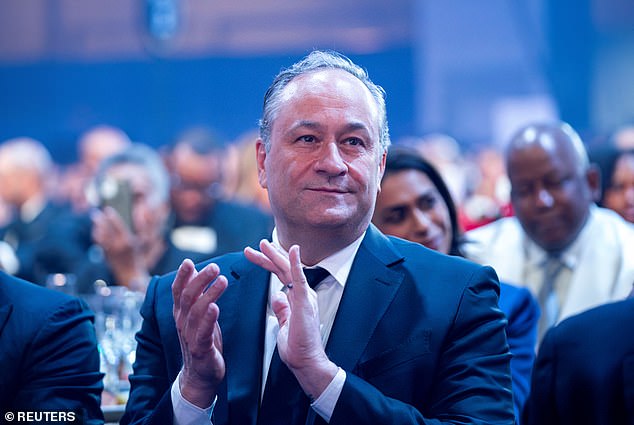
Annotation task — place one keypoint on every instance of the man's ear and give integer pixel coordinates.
(381, 169)
(260, 157)
(593, 177)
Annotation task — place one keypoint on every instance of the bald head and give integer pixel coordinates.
(552, 183)
(558, 137)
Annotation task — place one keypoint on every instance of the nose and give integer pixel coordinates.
(330, 160)
(544, 198)
(420, 222)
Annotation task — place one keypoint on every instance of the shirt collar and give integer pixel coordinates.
(338, 264)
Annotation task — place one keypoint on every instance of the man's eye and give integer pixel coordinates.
(354, 141)
(307, 139)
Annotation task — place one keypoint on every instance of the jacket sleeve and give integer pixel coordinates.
(472, 383)
(61, 366)
(522, 336)
(150, 400)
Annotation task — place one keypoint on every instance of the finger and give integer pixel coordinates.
(183, 274)
(256, 257)
(281, 307)
(295, 263)
(202, 318)
(114, 219)
(271, 259)
(197, 285)
(276, 255)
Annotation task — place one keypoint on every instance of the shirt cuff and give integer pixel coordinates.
(185, 413)
(326, 402)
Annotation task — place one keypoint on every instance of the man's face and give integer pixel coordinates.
(550, 196)
(325, 161)
(193, 180)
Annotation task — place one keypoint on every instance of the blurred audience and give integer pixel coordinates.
(26, 168)
(130, 236)
(48, 354)
(245, 187)
(415, 204)
(488, 194)
(623, 137)
(445, 154)
(570, 253)
(204, 221)
(94, 145)
(584, 372)
(617, 179)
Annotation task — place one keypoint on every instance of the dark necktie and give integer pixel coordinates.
(283, 401)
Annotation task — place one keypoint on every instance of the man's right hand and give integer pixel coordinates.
(196, 316)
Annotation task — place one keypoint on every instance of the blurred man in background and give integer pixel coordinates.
(26, 169)
(570, 253)
(204, 221)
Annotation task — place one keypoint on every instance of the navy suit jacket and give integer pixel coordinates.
(418, 333)
(48, 352)
(522, 312)
(584, 372)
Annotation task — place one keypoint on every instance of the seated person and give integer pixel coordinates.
(26, 169)
(204, 221)
(584, 372)
(48, 354)
(570, 253)
(617, 179)
(391, 332)
(415, 204)
(131, 244)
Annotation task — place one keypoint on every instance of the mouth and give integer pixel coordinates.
(327, 190)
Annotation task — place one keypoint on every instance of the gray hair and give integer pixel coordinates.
(145, 157)
(27, 153)
(315, 61)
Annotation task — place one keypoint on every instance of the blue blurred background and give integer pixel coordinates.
(472, 69)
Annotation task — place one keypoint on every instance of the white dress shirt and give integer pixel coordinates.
(598, 265)
(329, 294)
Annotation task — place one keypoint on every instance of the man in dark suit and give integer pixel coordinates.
(391, 333)
(204, 220)
(584, 372)
(26, 169)
(48, 354)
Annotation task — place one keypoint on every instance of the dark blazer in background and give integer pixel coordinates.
(522, 312)
(48, 352)
(418, 333)
(584, 372)
(31, 243)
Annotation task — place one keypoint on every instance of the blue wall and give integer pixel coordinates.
(154, 100)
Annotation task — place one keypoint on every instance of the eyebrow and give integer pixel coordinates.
(351, 126)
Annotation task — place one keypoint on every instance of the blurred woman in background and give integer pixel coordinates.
(415, 204)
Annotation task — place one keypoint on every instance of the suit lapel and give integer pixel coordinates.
(370, 289)
(244, 307)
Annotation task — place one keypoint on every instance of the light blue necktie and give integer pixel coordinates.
(547, 297)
